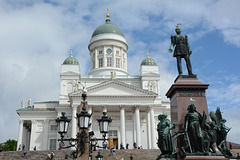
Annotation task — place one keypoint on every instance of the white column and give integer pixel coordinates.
(90, 112)
(33, 134)
(59, 114)
(149, 129)
(74, 121)
(152, 127)
(28, 140)
(20, 133)
(104, 57)
(138, 132)
(96, 59)
(24, 137)
(122, 118)
(121, 58)
(113, 57)
(134, 126)
(45, 135)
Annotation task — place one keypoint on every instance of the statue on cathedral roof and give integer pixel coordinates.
(29, 101)
(22, 103)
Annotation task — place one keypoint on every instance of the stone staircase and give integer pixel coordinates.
(138, 154)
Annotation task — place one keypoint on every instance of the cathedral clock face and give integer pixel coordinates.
(109, 51)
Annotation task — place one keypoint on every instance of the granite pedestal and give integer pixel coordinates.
(185, 89)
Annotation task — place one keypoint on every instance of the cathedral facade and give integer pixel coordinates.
(132, 101)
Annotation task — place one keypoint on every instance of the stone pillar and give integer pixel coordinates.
(59, 114)
(122, 119)
(153, 129)
(28, 140)
(138, 130)
(104, 57)
(24, 136)
(113, 57)
(96, 59)
(45, 135)
(33, 134)
(20, 133)
(149, 128)
(134, 125)
(121, 58)
(74, 121)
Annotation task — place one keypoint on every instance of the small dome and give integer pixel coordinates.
(148, 61)
(71, 60)
(107, 28)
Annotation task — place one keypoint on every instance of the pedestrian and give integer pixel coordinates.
(66, 156)
(230, 145)
(113, 152)
(24, 153)
(52, 155)
(35, 148)
(135, 145)
(121, 145)
(131, 157)
(127, 146)
(48, 156)
(23, 147)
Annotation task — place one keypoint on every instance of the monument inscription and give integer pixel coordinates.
(190, 94)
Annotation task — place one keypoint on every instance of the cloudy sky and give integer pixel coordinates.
(37, 36)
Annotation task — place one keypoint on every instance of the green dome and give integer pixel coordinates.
(148, 61)
(71, 60)
(107, 28)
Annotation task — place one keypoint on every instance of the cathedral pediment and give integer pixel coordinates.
(117, 88)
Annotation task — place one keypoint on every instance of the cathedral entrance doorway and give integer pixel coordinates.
(113, 139)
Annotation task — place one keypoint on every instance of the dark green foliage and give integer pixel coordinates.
(9, 145)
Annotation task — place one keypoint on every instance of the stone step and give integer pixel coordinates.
(138, 154)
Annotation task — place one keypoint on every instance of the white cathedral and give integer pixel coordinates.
(132, 101)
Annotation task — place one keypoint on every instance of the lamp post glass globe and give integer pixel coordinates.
(62, 123)
(104, 123)
(83, 120)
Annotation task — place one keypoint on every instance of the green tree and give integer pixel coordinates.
(9, 145)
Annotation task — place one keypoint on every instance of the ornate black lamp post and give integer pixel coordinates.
(104, 124)
(83, 123)
(84, 116)
(62, 122)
